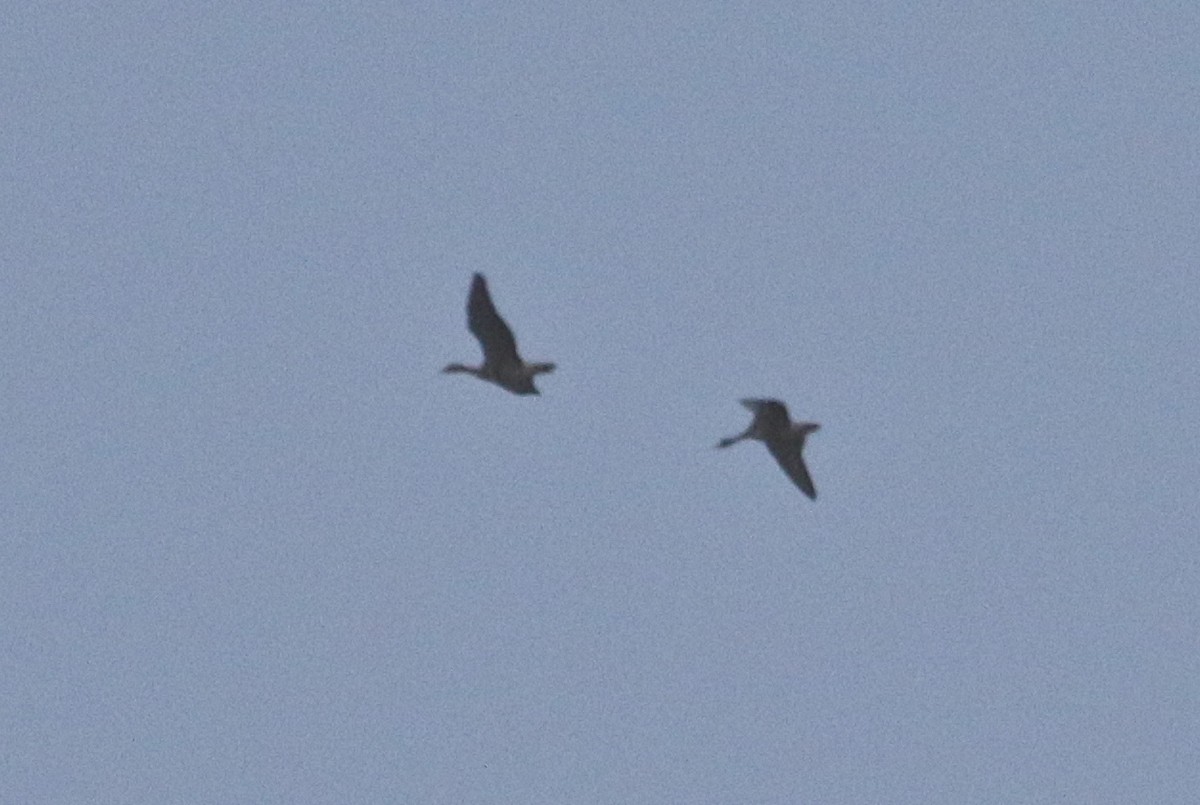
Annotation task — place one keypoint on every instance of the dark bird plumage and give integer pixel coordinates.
(783, 437)
(502, 363)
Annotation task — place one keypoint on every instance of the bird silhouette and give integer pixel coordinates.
(502, 363)
(783, 437)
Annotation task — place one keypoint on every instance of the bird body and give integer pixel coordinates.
(502, 363)
(783, 437)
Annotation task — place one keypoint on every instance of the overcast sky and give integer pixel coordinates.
(255, 547)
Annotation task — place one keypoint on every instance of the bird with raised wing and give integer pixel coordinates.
(783, 437)
(502, 363)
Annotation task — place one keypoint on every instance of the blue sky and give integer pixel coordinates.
(257, 548)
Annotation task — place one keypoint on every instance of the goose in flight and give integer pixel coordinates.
(502, 364)
(783, 437)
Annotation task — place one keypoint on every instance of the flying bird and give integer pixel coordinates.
(783, 437)
(502, 364)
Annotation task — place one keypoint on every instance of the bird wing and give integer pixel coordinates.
(771, 413)
(485, 323)
(790, 455)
